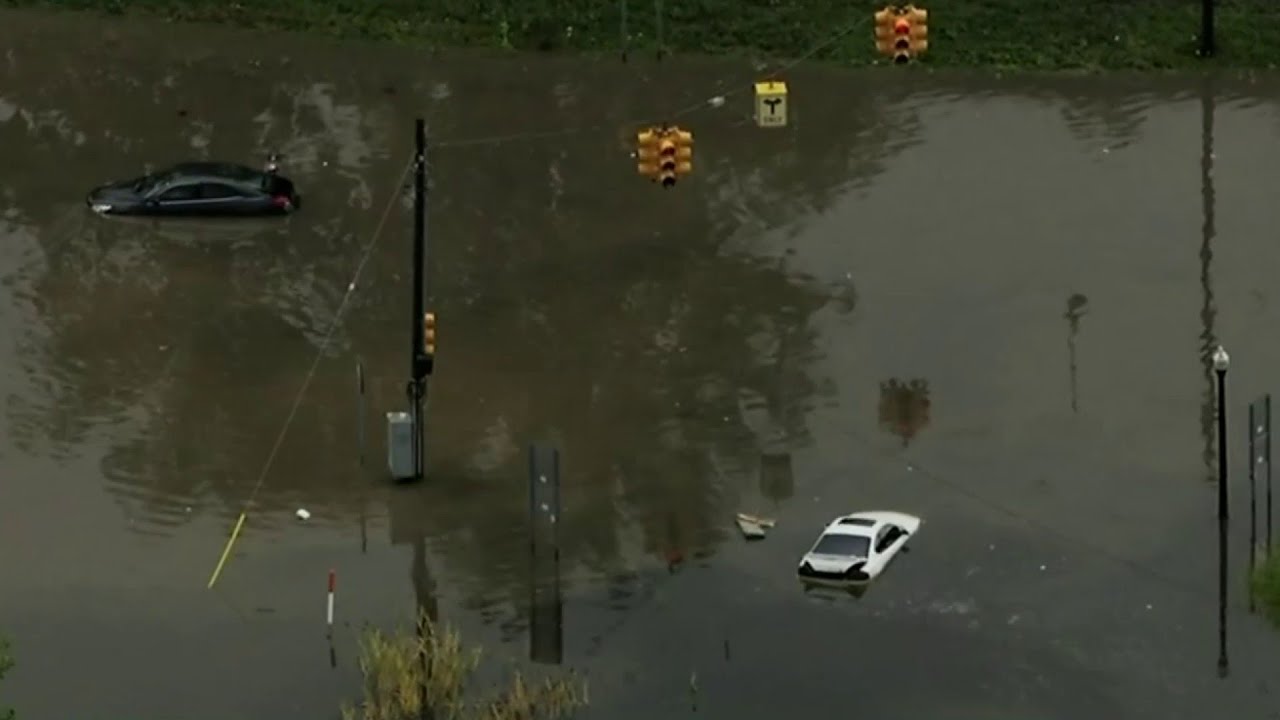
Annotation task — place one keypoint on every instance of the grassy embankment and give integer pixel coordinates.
(1046, 34)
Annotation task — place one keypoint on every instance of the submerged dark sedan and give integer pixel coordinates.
(199, 188)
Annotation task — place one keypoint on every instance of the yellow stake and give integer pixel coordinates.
(226, 552)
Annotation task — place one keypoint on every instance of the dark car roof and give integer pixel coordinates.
(225, 172)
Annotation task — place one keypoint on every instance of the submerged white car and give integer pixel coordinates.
(856, 548)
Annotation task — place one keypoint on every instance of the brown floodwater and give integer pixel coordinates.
(1044, 257)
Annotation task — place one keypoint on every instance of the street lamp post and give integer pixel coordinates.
(1220, 363)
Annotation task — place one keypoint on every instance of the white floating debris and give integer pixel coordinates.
(717, 101)
(753, 527)
(303, 514)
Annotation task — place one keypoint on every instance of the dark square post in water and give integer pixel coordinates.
(546, 627)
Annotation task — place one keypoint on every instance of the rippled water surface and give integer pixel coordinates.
(1048, 259)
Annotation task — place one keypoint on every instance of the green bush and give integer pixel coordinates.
(1266, 586)
(403, 669)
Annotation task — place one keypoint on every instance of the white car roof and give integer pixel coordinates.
(868, 523)
(855, 524)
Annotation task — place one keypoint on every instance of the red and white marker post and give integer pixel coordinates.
(333, 583)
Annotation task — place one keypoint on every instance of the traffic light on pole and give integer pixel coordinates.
(429, 334)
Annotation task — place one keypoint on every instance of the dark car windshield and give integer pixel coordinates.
(145, 183)
(851, 545)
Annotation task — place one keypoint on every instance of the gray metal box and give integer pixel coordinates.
(400, 445)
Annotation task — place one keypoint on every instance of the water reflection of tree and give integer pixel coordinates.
(904, 407)
(595, 310)
(1112, 110)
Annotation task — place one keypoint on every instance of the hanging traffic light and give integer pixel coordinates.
(901, 41)
(664, 154)
(647, 153)
(667, 160)
(902, 32)
(919, 33)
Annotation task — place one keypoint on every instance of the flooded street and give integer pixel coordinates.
(1034, 251)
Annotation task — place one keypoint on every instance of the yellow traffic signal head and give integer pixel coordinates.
(919, 31)
(667, 149)
(901, 40)
(647, 153)
(902, 32)
(429, 333)
(664, 153)
(884, 31)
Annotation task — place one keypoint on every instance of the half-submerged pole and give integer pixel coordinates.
(420, 363)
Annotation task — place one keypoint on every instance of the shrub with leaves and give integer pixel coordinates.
(408, 668)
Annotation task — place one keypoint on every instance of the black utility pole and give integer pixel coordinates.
(421, 362)
(1220, 363)
(1208, 44)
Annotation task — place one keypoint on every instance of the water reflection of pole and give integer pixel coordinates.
(407, 509)
(1220, 363)
(1075, 310)
(1208, 311)
(360, 443)
(546, 620)
(428, 610)
(1215, 361)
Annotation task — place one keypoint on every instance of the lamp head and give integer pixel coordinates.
(1221, 361)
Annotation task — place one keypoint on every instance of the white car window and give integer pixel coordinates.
(845, 545)
(888, 534)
